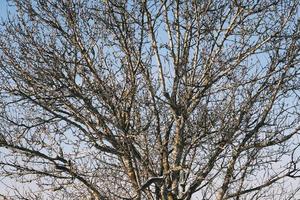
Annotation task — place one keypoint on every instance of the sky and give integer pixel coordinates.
(3, 8)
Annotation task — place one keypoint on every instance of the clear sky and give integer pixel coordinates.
(3, 8)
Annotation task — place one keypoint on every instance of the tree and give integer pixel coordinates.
(153, 99)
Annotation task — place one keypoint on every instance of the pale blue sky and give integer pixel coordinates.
(3, 8)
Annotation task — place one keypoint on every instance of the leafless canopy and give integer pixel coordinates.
(157, 99)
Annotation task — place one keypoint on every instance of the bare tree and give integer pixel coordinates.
(158, 99)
